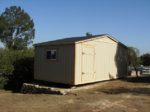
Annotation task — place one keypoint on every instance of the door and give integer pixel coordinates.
(88, 58)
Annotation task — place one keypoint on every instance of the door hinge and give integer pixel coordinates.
(83, 73)
(83, 53)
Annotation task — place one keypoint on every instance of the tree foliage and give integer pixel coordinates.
(9, 57)
(145, 59)
(16, 67)
(16, 28)
(133, 56)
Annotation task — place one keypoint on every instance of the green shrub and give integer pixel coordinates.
(23, 69)
(6, 61)
(3, 82)
(18, 63)
(8, 57)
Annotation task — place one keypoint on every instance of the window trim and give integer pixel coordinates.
(51, 50)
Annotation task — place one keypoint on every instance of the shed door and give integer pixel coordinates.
(87, 63)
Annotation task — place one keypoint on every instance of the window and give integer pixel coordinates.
(51, 54)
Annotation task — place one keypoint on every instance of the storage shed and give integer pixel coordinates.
(80, 60)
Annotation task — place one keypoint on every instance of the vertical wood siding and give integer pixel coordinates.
(60, 70)
(110, 60)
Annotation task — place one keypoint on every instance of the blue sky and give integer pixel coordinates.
(126, 20)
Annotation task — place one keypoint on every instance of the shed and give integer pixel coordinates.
(80, 60)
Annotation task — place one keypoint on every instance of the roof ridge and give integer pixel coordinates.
(73, 40)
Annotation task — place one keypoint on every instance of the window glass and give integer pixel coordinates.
(51, 54)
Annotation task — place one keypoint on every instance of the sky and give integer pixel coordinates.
(126, 20)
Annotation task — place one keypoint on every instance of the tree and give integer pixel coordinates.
(88, 34)
(133, 58)
(16, 28)
(145, 59)
(133, 54)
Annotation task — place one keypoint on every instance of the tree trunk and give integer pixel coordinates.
(136, 71)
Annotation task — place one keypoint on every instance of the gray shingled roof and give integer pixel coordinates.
(73, 40)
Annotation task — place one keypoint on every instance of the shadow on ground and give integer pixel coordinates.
(144, 91)
(132, 89)
(141, 79)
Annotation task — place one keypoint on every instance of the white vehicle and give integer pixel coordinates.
(146, 70)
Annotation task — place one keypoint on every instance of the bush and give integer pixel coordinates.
(3, 82)
(145, 58)
(6, 61)
(23, 69)
(18, 66)
(8, 57)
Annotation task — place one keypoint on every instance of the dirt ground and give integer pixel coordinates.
(113, 96)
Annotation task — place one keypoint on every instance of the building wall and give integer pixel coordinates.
(110, 60)
(60, 70)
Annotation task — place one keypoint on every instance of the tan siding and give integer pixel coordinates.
(106, 39)
(109, 62)
(78, 53)
(60, 70)
(106, 63)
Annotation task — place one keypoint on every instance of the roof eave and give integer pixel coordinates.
(40, 44)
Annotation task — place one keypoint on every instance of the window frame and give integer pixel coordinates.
(50, 50)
